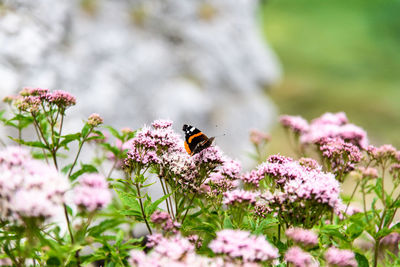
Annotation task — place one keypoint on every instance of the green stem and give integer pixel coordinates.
(352, 195)
(166, 201)
(79, 151)
(142, 209)
(187, 210)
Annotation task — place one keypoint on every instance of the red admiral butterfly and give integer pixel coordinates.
(195, 140)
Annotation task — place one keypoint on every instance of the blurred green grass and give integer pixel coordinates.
(338, 56)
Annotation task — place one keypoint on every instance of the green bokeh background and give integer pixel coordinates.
(339, 55)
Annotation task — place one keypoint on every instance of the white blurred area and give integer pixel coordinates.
(200, 62)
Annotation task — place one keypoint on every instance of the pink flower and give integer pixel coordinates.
(61, 98)
(295, 123)
(237, 244)
(162, 124)
(164, 221)
(391, 239)
(335, 126)
(341, 156)
(257, 137)
(28, 187)
(92, 192)
(382, 153)
(340, 257)
(299, 258)
(239, 196)
(339, 118)
(95, 120)
(153, 240)
(301, 236)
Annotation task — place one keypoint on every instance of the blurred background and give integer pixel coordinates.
(337, 56)
(224, 66)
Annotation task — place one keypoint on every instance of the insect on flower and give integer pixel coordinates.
(195, 140)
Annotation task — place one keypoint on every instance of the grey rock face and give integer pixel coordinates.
(197, 62)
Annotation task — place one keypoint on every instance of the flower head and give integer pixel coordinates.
(295, 123)
(335, 126)
(340, 257)
(257, 137)
(299, 258)
(164, 221)
(301, 236)
(92, 192)
(61, 98)
(239, 196)
(95, 120)
(237, 244)
(28, 187)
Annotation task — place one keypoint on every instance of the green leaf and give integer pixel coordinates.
(85, 130)
(85, 168)
(113, 149)
(149, 209)
(129, 200)
(378, 188)
(227, 222)
(66, 139)
(120, 237)
(354, 230)
(332, 230)
(115, 133)
(361, 260)
(103, 226)
(383, 232)
(65, 169)
(29, 143)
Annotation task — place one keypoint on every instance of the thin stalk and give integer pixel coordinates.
(376, 251)
(170, 201)
(77, 154)
(187, 210)
(68, 224)
(142, 209)
(352, 195)
(166, 201)
(38, 135)
(364, 202)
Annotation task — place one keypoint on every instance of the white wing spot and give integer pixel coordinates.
(192, 129)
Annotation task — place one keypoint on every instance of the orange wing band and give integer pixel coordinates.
(193, 136)
(188, 149)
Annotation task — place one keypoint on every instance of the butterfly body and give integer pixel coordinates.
(195, 140)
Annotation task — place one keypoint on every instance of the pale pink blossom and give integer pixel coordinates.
(92, 192)
(301, 236)
(239, 196)
(340, 257)
(299, 258)
(295, 123)
(238, 244)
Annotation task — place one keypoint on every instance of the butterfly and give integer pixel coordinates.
(195, 140)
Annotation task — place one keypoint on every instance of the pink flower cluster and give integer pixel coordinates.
(295, 187)
(28, 187)
(239, 196)
(173, 251)
(257, 137)
(237, 244)
(225, 179)
(295, 123)
(95, 120)
(328, 125)
(340, 257)
(92, 192)
(341, 156)
(307, 238)
(31, 99)
(164, 221)
(382, 153)
(149, 144)
(299, 258)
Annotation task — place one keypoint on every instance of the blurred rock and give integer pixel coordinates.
(198, 62)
